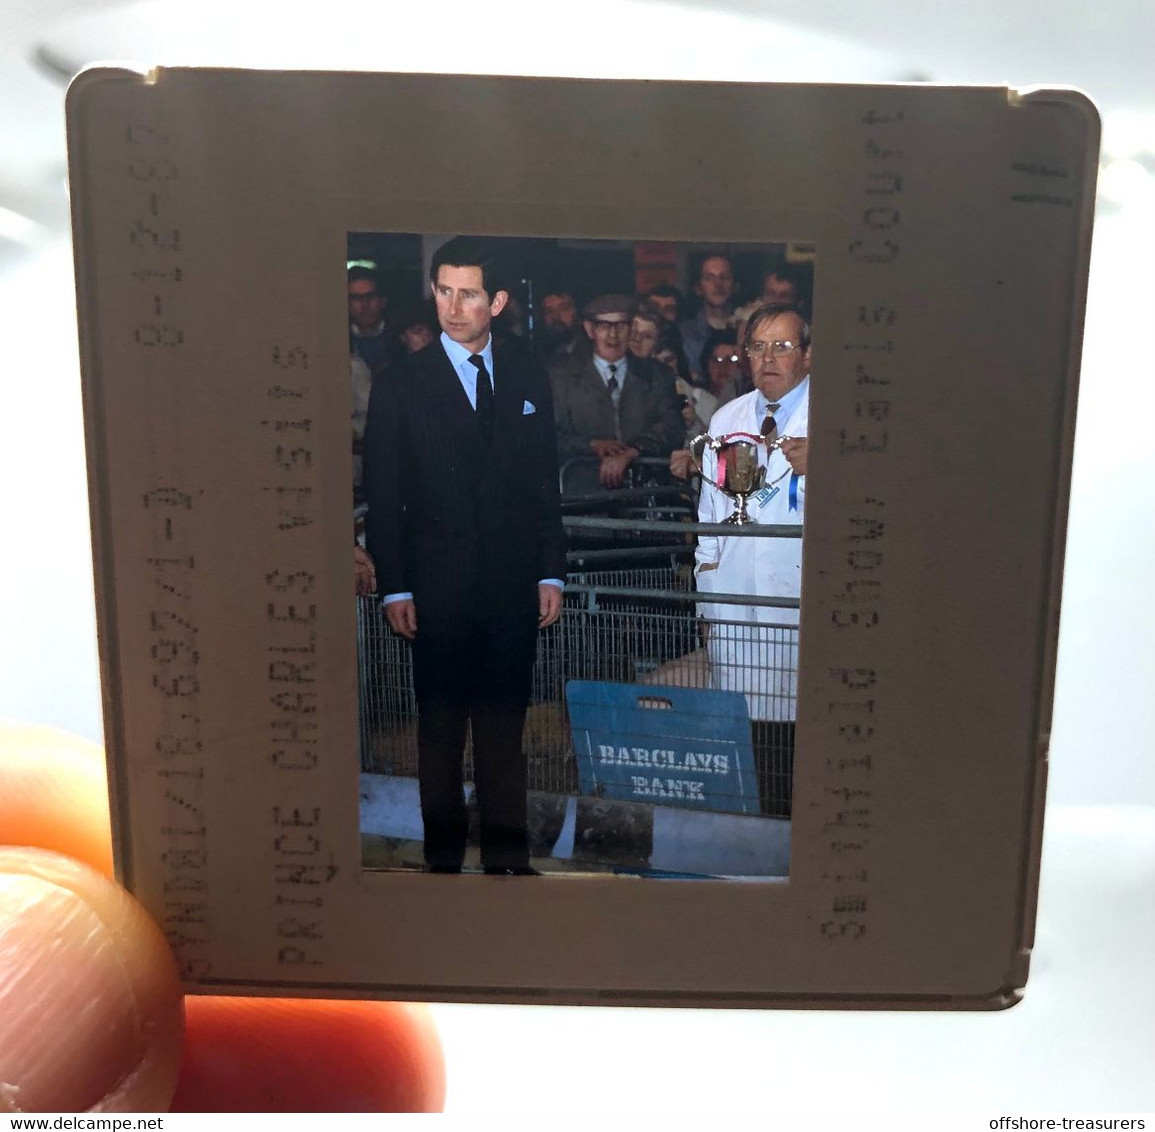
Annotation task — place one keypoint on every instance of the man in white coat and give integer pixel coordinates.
(759, 654)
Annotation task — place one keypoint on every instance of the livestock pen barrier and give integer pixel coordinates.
(630, 617)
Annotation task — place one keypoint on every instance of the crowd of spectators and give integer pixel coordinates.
(632, 375)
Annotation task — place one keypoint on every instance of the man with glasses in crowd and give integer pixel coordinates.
(370, 337)
(759, 656)
(612, 407)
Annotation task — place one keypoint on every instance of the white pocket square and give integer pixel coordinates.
(527, 408)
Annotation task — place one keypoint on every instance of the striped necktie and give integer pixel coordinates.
(770, 425)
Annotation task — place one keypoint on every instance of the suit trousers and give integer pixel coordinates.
(774, 755)
(479, 672)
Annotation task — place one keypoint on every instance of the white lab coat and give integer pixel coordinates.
(762, 662)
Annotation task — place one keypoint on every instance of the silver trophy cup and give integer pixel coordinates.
(739, 473)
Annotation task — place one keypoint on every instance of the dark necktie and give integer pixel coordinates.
(484, 398)
(612, 386)
(770, 425)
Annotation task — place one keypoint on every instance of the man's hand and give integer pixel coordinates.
(603, 448)
(681, 463)
(794, 449)
(364, 572)
(548, 604)
(402, 617)
(613, 468)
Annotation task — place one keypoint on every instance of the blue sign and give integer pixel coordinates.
(666, 746)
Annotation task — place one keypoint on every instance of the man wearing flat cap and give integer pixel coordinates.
(612, 406)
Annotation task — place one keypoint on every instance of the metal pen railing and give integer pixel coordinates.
(631, 624)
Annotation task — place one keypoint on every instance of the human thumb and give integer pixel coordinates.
(90, 1001)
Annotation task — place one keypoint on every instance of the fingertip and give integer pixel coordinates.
(301, 1055)
(90, 1002)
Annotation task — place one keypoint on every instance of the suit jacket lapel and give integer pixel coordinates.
(597, 392)
(446, 389)
(508, 399)
(592, 381)
(632, 394)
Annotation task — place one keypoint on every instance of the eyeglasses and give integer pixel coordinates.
(720, 358)
(758, 349)
(606, 326)
(364, 296)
